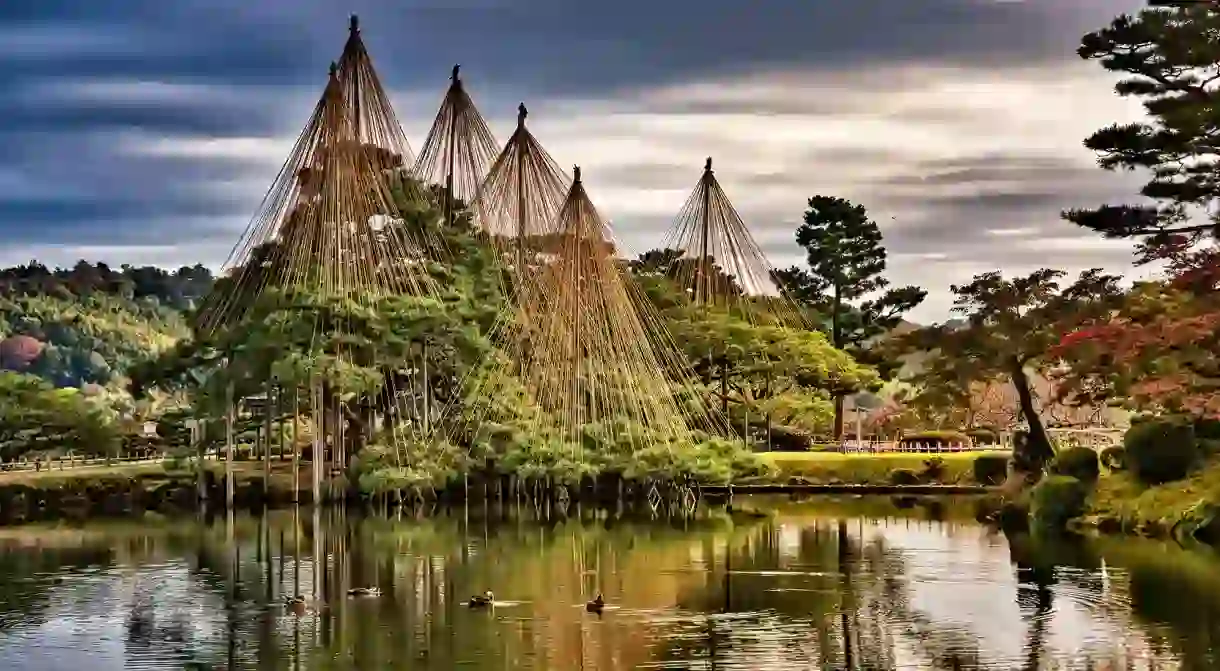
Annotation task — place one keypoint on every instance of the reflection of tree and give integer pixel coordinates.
(24, 599)
(836, 596)
(1174, 590)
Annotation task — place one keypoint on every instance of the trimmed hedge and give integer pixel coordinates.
(904, 476)
(790, 439)
(1161, 451)
(991, 469)
(1078, 462)
(1057, 499)
(933, 469)
(1114, 458)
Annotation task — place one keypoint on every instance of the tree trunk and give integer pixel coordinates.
(836, 338)
(1037, 451)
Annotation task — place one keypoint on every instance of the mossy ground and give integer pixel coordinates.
(868, 469)
(1120, 502)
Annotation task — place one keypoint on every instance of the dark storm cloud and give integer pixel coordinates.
(992, 168)
(59, 135)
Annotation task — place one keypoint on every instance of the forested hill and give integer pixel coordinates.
(87, 324)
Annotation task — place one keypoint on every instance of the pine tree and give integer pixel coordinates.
(847, 263)
(1171, 58)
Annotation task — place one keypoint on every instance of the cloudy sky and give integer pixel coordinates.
(146, 131)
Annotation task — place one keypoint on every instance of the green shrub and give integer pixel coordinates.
(1057, 499)
(936, 439)
(1209, 446)
(904, 476)
(983, 436)
(1161, 451)
(991, 469)
(1207, 429)
(1078, 462)
(790, 439)
(1113, 458)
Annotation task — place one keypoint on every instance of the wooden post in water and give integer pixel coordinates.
(319, 445)
(296, 446)
(197, 441)
(340, 458)
(267, 408)
(279, 415)
(229, 447)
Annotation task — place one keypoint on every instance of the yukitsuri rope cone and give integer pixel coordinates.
(459, 149)
(322, 225)
(331, 242)
(588, 365)
(712, 255)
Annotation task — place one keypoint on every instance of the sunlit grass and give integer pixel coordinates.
(837, 467)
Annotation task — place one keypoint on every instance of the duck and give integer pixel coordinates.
(596, 605)
(485, 600)
(364, 591)
(296, 604)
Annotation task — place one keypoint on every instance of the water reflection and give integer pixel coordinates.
(869, 584)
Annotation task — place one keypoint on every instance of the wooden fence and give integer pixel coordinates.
(895, 447)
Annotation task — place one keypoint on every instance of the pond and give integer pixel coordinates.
(868, 583)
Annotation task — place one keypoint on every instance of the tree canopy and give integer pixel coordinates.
(1170, 59)
(846, 264)
(35, 416)
(1011, 326)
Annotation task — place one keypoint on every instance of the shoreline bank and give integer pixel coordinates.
(122, 490)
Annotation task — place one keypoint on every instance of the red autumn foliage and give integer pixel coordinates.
(19, 351)
(1163, 347)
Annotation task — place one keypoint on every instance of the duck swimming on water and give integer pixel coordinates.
(596, 605)
(482, 601)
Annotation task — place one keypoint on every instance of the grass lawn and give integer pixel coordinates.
(837, 467)
(281, 473)
(99, 471)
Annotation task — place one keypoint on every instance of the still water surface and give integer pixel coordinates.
(827, 584)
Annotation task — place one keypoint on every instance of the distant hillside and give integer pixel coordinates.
(87, 325)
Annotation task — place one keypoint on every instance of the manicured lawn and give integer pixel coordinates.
(99, 471)
(281, 473)
(829, 467)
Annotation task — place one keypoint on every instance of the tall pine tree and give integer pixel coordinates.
(847, 263)
(1171, 61)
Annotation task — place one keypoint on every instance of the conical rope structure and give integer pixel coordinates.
(593, 365)
(711, 255)
(517, 208)
(333, 268)
(459, 149)
(330, 222)
(713, 260)
(519, 201)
